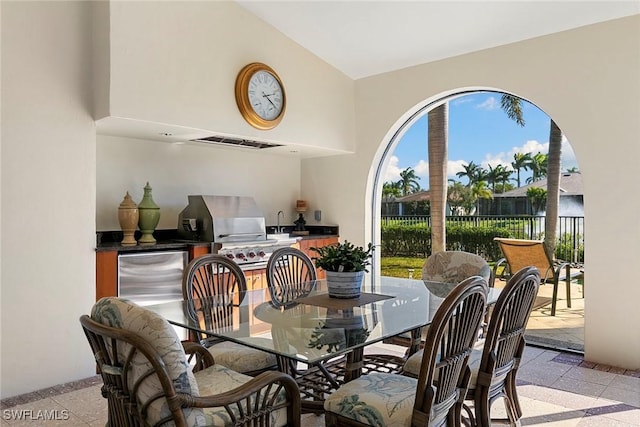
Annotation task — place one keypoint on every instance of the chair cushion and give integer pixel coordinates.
(376, 399)
(241, 358)
(454, 267)
(218, 379)
(412, 365)
(124, 314)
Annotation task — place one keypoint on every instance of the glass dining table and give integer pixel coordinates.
(317, 339)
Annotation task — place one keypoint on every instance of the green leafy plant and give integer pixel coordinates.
(343, 257)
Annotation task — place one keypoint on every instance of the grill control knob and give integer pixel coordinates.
(241, 256)
(261, 254)
(230, 256)
(251, 254)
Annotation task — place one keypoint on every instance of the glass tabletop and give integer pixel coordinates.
(315, 327)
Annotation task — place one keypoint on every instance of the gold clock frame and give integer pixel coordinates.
(242, 96)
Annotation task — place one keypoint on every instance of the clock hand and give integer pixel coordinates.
(269, 99)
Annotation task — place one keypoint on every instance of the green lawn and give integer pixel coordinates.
(399, 267)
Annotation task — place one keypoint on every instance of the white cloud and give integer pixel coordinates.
(505, 158)
(455, 166)
(462, 100)
(422, 170)
(569, 159)
(490, 104)
(392, 172)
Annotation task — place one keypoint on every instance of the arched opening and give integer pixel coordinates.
(516, 206)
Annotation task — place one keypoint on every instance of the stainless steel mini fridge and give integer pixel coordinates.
(151, 277)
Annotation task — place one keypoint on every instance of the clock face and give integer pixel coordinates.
(265, 95)
(260, 96)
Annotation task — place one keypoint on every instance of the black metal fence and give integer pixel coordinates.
(570, 229)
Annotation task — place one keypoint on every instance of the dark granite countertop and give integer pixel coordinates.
(166, 240)
(169, 239)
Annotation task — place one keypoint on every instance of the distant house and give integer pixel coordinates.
(515, 202)
(411, 204)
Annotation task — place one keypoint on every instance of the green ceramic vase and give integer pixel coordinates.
(149, 215)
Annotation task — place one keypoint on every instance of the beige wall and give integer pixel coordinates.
(176, 63)
(48, 194)
(588, 81)
(175, 171)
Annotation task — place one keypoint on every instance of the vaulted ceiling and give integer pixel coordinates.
(364, 38)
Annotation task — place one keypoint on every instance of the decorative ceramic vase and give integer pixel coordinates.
(149, 214)
(344, 285)
(128, 217)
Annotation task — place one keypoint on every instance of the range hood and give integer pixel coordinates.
(238, 142)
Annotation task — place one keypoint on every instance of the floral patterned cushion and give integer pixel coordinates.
(454, 267)
(218, 379)
(241, 358)
(124, 314)
(412, 365)
(375, 399)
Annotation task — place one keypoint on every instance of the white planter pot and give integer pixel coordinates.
(344, 285)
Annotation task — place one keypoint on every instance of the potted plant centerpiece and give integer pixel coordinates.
(345, 265)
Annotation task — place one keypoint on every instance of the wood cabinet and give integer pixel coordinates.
(196, 251)
(256, 279)
(106, 274)
(307, 244)
(107, 266)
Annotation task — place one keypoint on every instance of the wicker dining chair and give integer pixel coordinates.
(149, 381)
(290, 273)
(379, 399)
(494, 367)
(214, 277)
(450, 268)
(455, 266)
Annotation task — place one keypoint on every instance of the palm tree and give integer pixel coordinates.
(512, 105)
(470, 171)
(538, 166)
(537, 197)
(408, 181)
(480, 190)
(390, 191)
(521, 161)
(499, 174)
(553, 188)
(438, 124)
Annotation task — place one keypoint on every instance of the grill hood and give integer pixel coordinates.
(222, 219)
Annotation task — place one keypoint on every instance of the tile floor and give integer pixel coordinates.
(565, 330)
(557, 389)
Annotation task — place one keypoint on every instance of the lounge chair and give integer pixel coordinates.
(519, 253)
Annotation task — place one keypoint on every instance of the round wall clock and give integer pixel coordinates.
(260, 96)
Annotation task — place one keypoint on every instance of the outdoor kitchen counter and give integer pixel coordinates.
(166, 240)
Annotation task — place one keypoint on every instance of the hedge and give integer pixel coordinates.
(415, 240)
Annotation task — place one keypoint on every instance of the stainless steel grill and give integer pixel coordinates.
(235, 227)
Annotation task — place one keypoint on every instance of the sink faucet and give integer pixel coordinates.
(278, 228)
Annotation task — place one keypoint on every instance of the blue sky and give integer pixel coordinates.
(479, 131)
